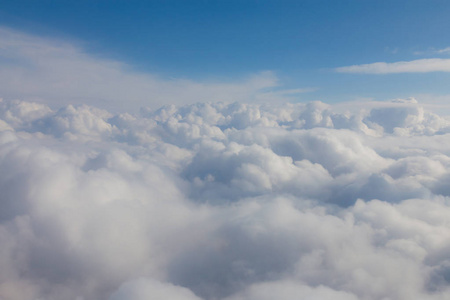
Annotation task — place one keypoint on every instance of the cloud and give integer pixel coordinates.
(224, 201)
(61, 73)
(148, 289)
(286, 289)
(414, 66)
(443, 51)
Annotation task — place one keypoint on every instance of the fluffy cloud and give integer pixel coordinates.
(226, 201)
(414, 66)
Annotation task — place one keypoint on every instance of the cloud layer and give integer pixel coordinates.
(224, 201)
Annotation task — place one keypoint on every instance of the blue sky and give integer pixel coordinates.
(303, 43)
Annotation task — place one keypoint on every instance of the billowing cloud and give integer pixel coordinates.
(228, 201)
(61, 73)
(414, 66)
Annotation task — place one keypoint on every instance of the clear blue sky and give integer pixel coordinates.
(303, 42)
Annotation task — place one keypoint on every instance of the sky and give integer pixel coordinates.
(316, 50)
(224, 150)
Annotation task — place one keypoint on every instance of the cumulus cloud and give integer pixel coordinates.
(227, 201)
(414, 66)
(62, 72)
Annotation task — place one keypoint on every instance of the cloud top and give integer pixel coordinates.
(226, 201)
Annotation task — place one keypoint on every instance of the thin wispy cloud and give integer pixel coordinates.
(433, 51)
(444, 51)
(414, 66)
(37, 68)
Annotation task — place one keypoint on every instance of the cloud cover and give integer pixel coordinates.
(226, 201)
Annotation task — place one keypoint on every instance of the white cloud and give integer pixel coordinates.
(414, 66)
(61, 73)
(213, 200)
(443, 51)
(224, 201)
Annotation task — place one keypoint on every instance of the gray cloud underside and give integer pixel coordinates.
(224, 201)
